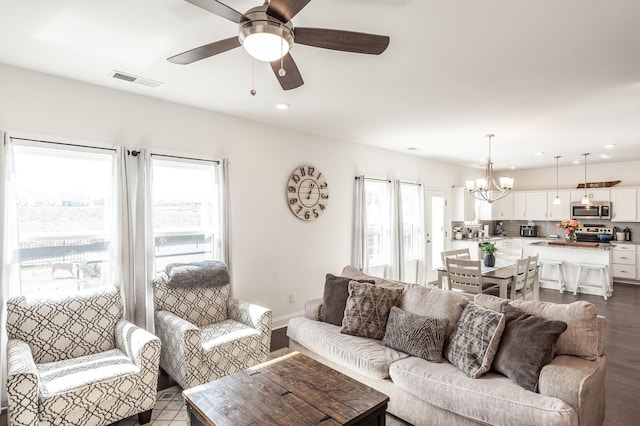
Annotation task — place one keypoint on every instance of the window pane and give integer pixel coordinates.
(185, 211)
(411, 220)
(378, 222)
(64, 222)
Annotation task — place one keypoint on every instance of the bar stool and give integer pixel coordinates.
(559, 265)
(604, 271)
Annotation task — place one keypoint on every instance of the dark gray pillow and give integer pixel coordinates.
(527, 345)
(368, 308)
(475, 341)
(334, 299)
(416, 335)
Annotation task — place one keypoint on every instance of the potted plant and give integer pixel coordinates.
(489, 249)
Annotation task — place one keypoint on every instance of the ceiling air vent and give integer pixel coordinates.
(135, 79)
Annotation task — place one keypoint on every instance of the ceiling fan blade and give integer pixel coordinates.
(205, 51)
(285, 10)
(219, 9)
(292, 78)
(346, 41)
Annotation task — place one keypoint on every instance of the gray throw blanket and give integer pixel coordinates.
(207, 273)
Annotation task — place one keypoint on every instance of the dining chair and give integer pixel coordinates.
(517, 289)
(465, 275)
(509, 254)
(455, 254)
(532, 276)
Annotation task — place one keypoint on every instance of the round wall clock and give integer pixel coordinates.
(307, 192)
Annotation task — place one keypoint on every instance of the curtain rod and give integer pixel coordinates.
(62, 143)
(375, 179)
(135, 154)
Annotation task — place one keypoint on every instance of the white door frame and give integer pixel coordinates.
(434, 236)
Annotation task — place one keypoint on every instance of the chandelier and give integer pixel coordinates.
(486, 188)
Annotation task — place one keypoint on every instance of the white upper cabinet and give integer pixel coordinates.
(595, 194)
(561, 211)
(488, 211)
(624, 204)
(505, 208)
(519, 206)
(463, 205)
(536, 205)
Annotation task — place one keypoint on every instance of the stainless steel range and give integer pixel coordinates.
(598, 233)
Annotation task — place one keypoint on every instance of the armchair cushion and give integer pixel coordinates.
(200, 306)
(75, 326)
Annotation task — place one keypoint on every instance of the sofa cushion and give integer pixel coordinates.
(526, 346)
(334, 298)
(368, 308)
(475, 340)
(492, 399)
(433, 302)
(415, 335)
(356, 274)
(365, 356)
(581, 337)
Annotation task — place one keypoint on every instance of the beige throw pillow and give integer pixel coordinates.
(368, 308)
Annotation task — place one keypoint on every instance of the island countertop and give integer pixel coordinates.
(577, 245)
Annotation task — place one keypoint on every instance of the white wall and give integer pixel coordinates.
(273, 253)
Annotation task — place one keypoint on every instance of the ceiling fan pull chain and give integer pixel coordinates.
(253, 77)
(281, 71)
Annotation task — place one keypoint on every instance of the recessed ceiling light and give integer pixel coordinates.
(512, 167)
(540, 153)
(283, 106)
(412, 148)
(610, 145)
(605, 156)
(576, 161)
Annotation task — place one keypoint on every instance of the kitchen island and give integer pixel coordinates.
(571, 254)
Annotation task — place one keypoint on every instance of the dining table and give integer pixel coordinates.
(502, 274)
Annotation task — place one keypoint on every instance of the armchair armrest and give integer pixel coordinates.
(22, 384)
(312, 309)
(578, 382)
(181, 354)
(250, 314)
(140, 346)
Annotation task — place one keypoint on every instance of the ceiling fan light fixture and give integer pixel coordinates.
(266, 41)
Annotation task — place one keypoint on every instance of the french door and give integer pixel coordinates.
(435, 208)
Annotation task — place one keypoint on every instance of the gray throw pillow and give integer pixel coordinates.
(206, 273)
(475, 340)
(334, 299)
(416, 335)
(526, 346)
(368, 308)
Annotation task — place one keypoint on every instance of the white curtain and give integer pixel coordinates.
(397, 233)
(9, 248)
(144, 243)
(121, 244)
(359, 256)
(422, 262)
(223, 249)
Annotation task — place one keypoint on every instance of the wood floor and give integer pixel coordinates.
(622, 383)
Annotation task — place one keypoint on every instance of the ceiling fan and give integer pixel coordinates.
(267, 33)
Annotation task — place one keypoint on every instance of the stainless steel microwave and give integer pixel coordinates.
(593, 210)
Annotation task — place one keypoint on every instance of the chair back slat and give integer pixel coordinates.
(455, 254)
(464, 275)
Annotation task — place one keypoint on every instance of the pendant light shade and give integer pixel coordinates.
(585, 198)
(556, 200)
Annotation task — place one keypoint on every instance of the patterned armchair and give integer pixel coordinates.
(206, 334)
(75, 361)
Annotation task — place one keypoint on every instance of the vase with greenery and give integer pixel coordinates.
(489, 250)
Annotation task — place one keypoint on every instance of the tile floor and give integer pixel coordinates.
(170, 410)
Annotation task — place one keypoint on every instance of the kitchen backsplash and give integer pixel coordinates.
(546, 228)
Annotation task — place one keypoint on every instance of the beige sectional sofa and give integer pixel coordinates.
(570, 388)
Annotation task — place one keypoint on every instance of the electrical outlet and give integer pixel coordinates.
(292, 298)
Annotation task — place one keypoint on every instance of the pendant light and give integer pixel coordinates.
(585, 199)
(486, 188)
(556, 201)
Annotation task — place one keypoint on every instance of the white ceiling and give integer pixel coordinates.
(559, 77)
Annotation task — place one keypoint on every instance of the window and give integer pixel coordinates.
(378, 197)
(411, 220)
(64, 199)
(186, 213)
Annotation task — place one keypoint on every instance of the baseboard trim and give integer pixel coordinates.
(282, 321)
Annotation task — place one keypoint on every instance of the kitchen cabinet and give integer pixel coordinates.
(624, 205)
(472, 245)
(530, 205)
(595, 194)
(561, 211)
(505, 208)
(463, 205)
(624, 261)
(488, 211)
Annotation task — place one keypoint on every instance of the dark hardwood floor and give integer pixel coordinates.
(622, 383)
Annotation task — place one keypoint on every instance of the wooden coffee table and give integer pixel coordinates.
(290, 390)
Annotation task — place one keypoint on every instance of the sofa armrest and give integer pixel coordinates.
(250, 314)
(578, 382)
(312, 309)
(22, 384)
(181, 354)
